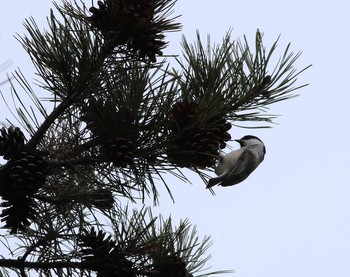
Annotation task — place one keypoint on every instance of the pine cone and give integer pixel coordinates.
(18, 213)
(100, 17)
(134, 14)
(148, 44)
(27, 173)
(182, 115)
(220, 127)
(103, 256)
(20, 179)
(172, 267)
(130, 23)
(120, 19)
(197, 142)
(111, 128)
(96, 246)
(122, 16)
(11, 142)
(121, 151)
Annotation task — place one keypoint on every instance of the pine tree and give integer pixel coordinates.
(121, 115)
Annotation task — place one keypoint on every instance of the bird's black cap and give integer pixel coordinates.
(248, 137)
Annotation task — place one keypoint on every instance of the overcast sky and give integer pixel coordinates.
(290, 217)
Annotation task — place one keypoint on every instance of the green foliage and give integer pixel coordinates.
(159, 239)
(234, 80)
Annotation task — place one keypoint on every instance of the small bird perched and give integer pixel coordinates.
(237, 165)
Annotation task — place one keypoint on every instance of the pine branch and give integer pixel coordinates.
(19, 264)
(232, 80)
(49, 120)
(121, 120)
(140, 232)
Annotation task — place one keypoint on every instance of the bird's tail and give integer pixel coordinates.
(213, 181)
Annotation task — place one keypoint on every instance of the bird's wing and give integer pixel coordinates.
(245, 165)
(246, 161)
(233, 176)
(226, 162)
(217, 180)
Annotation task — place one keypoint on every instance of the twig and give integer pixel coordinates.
(47, 123)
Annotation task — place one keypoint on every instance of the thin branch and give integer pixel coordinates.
(38, 135)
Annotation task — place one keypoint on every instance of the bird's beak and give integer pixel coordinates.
(239, 141)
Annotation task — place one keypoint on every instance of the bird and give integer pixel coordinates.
(237, 165)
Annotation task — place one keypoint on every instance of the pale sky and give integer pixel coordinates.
(290, 217)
